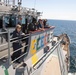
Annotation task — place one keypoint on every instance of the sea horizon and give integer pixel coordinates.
(61, 19)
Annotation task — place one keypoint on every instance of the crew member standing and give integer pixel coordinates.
(17, 44)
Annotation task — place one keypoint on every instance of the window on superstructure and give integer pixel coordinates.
(29, 19)
(6, 21)
(23, 20)
(10, 21)
(13, 21)
(19, 19)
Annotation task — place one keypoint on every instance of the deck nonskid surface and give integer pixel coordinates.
(52, 67)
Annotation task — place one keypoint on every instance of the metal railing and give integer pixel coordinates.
(1, 36)
(9, 43)
(62, 62)
(3, 44)
(48, 53)
(43, 58)
(3, 32)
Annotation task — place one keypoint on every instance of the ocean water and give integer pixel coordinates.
(69, 27)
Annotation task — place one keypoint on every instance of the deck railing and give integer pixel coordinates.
(56, 48)
(63, 66)
(9, 43)
(41, 60)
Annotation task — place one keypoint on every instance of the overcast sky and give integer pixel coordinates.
(54, 9)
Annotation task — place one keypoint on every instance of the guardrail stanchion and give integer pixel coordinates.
(9, 56)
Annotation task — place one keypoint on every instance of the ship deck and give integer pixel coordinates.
(52, 64)
(52, 67)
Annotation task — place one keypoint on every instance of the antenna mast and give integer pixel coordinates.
(13, 2)
(35, 4)
(19, 4)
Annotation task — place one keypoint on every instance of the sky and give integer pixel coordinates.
(53, 9)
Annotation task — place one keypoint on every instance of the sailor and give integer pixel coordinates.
(45, 24)
(40, 24)
(32, 25)
(17, 44)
